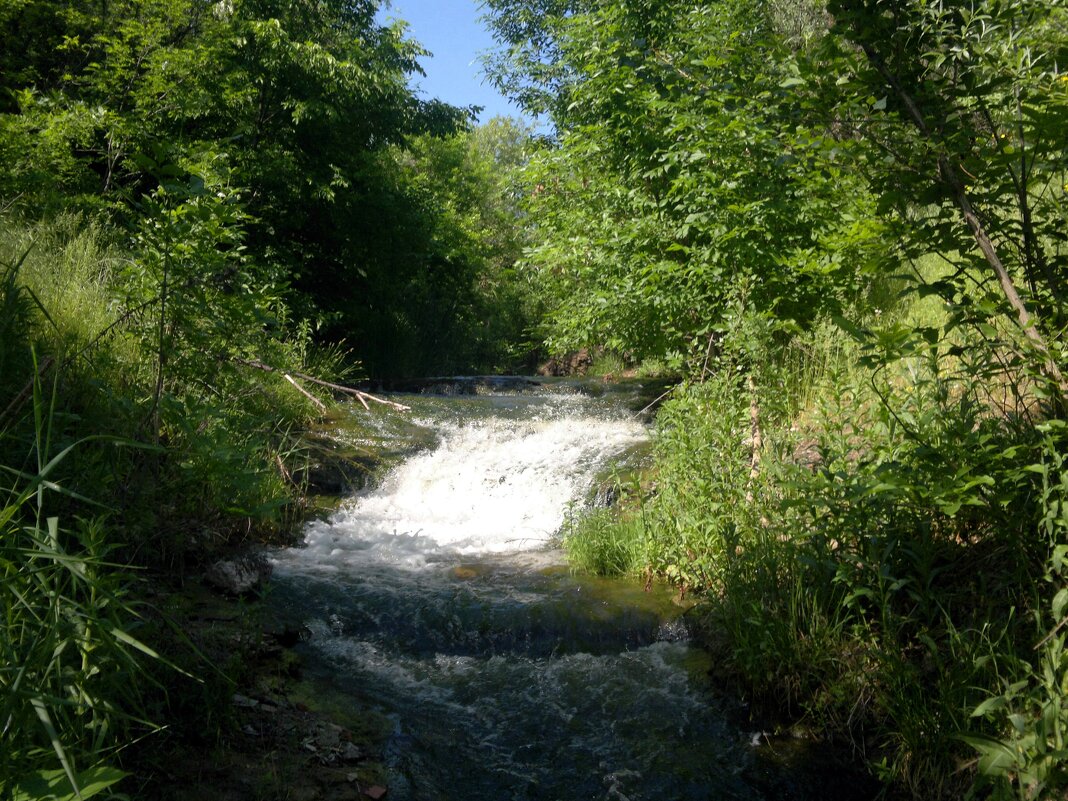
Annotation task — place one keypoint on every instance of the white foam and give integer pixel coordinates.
(491, 486)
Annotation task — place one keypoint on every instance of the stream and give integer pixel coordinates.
(440, 598)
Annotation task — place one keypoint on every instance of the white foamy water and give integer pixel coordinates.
(492, 485)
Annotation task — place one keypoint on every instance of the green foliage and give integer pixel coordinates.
(458, 303)
(958, 111)
(1028, 761)
(848, 227)
(602, 544)
(683, 192)
(193, 194)
(347, 207)
(877, 571)
(55, 785)
(71, 687)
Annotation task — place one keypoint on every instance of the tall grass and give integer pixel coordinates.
(80, 517)
(70, 677)
(883, 573)
(69, 673)
(67, 264)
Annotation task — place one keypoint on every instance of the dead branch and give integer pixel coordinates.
(285, 473)
(318, 403)
(360, 395)
(756, 436)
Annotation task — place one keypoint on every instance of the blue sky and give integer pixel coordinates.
(450, 29)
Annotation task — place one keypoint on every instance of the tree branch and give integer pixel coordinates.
(360, 395)
(950, 176)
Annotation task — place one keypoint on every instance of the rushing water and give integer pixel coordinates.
(439, 598)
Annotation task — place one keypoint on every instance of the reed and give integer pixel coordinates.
(71, 673)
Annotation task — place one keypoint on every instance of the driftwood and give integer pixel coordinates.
(359, 394)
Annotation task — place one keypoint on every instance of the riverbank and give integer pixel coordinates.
(265, 731)
(876, 555)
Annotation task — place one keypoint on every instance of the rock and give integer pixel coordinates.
(349, 753)
(334, 475)
(304, 791)
(607, 495)
(374, 792)
(807, 455)
(239, 576)
(328, 736)
(244, 702)
(286, 635)
(574, 363)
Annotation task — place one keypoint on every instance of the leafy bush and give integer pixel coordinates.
(875, 570)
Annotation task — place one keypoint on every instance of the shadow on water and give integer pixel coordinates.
(439, 599)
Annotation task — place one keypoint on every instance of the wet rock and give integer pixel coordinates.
(607, 495)
(239, 576)
(334, 475)
(286, 635)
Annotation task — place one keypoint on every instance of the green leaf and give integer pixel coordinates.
(990, 705)
(55, 785)
(1060, 601)
(995, 757)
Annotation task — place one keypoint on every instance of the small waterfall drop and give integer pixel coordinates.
(493, 485)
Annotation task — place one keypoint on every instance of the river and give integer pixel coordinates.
(441, 599)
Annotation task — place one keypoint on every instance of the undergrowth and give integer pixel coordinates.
(888, 565)
(134, 441)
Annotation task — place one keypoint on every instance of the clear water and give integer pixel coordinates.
(440, 599)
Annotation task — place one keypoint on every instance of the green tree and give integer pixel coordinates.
(684, 195)
(962, 108)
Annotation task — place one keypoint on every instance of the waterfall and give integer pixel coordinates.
(493, 485)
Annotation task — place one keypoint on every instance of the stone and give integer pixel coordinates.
(239, 576)
(328, 736)
(244, 702)
(607, 495)
(575, 363)
(349, 753)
